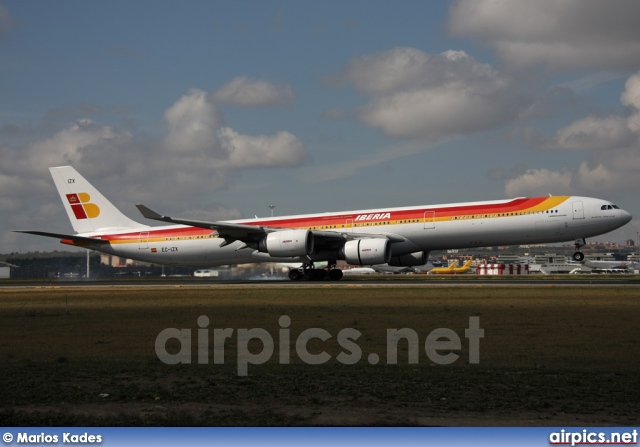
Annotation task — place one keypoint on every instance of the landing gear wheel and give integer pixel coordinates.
(335, 274)
(295, 275)
(578, 256)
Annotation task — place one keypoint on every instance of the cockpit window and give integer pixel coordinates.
(615, 207)
(603, 207)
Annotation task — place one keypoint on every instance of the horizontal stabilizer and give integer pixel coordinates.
(69, 237)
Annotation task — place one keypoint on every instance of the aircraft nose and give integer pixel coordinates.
(626, 216)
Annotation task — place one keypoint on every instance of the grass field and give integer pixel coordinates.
(549, 356)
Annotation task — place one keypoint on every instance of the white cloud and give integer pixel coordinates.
(431, 114)
(612, 144)
(247, 92)
(597, 134)
(594, 133)
(402, 69)
(83, 141)
(196, 132)
(432, 96)
(193, 123)
(605, 177)
(26, 189)
(631, 95)
(561, 35)
(389, 71)
(282, 150)
(198, 156)
(538, 182)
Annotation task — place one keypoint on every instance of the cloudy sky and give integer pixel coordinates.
(217, 109)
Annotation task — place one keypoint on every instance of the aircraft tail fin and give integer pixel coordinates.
(88, 210)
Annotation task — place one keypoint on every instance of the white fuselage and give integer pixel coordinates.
(426, 228)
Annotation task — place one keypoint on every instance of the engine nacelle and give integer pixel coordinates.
(410, 260)
(288, 243)
(367, 251)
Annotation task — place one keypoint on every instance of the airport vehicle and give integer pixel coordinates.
(400, 237)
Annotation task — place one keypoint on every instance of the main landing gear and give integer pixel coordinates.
(308, 273)
(578, 256)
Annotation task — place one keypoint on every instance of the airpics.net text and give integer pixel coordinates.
(440, 345)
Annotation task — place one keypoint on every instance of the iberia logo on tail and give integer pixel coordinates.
(82, 208)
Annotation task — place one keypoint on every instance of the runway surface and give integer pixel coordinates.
(364, 281)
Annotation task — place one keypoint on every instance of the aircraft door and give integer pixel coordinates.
(143, 240)
(578, 210)
(349, 226)
(429, 220)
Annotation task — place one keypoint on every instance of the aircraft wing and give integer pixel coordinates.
(226, 230)
(69, 237)
(252, 233)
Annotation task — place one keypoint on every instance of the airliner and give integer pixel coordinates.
(452, 269)
(465, 268)
(443, 270)
(399, 237)
(359, 271)
(388, 269)
(617, 265)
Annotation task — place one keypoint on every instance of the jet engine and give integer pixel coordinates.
(366, 251)
(288, 243)
(410, 260)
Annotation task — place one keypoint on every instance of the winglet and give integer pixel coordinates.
(150, 214)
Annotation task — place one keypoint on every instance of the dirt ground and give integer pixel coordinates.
(549, 356)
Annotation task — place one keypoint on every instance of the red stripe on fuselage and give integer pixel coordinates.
(515, 205)
(416, 213)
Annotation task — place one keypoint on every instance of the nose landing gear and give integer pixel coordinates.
(578, 256)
